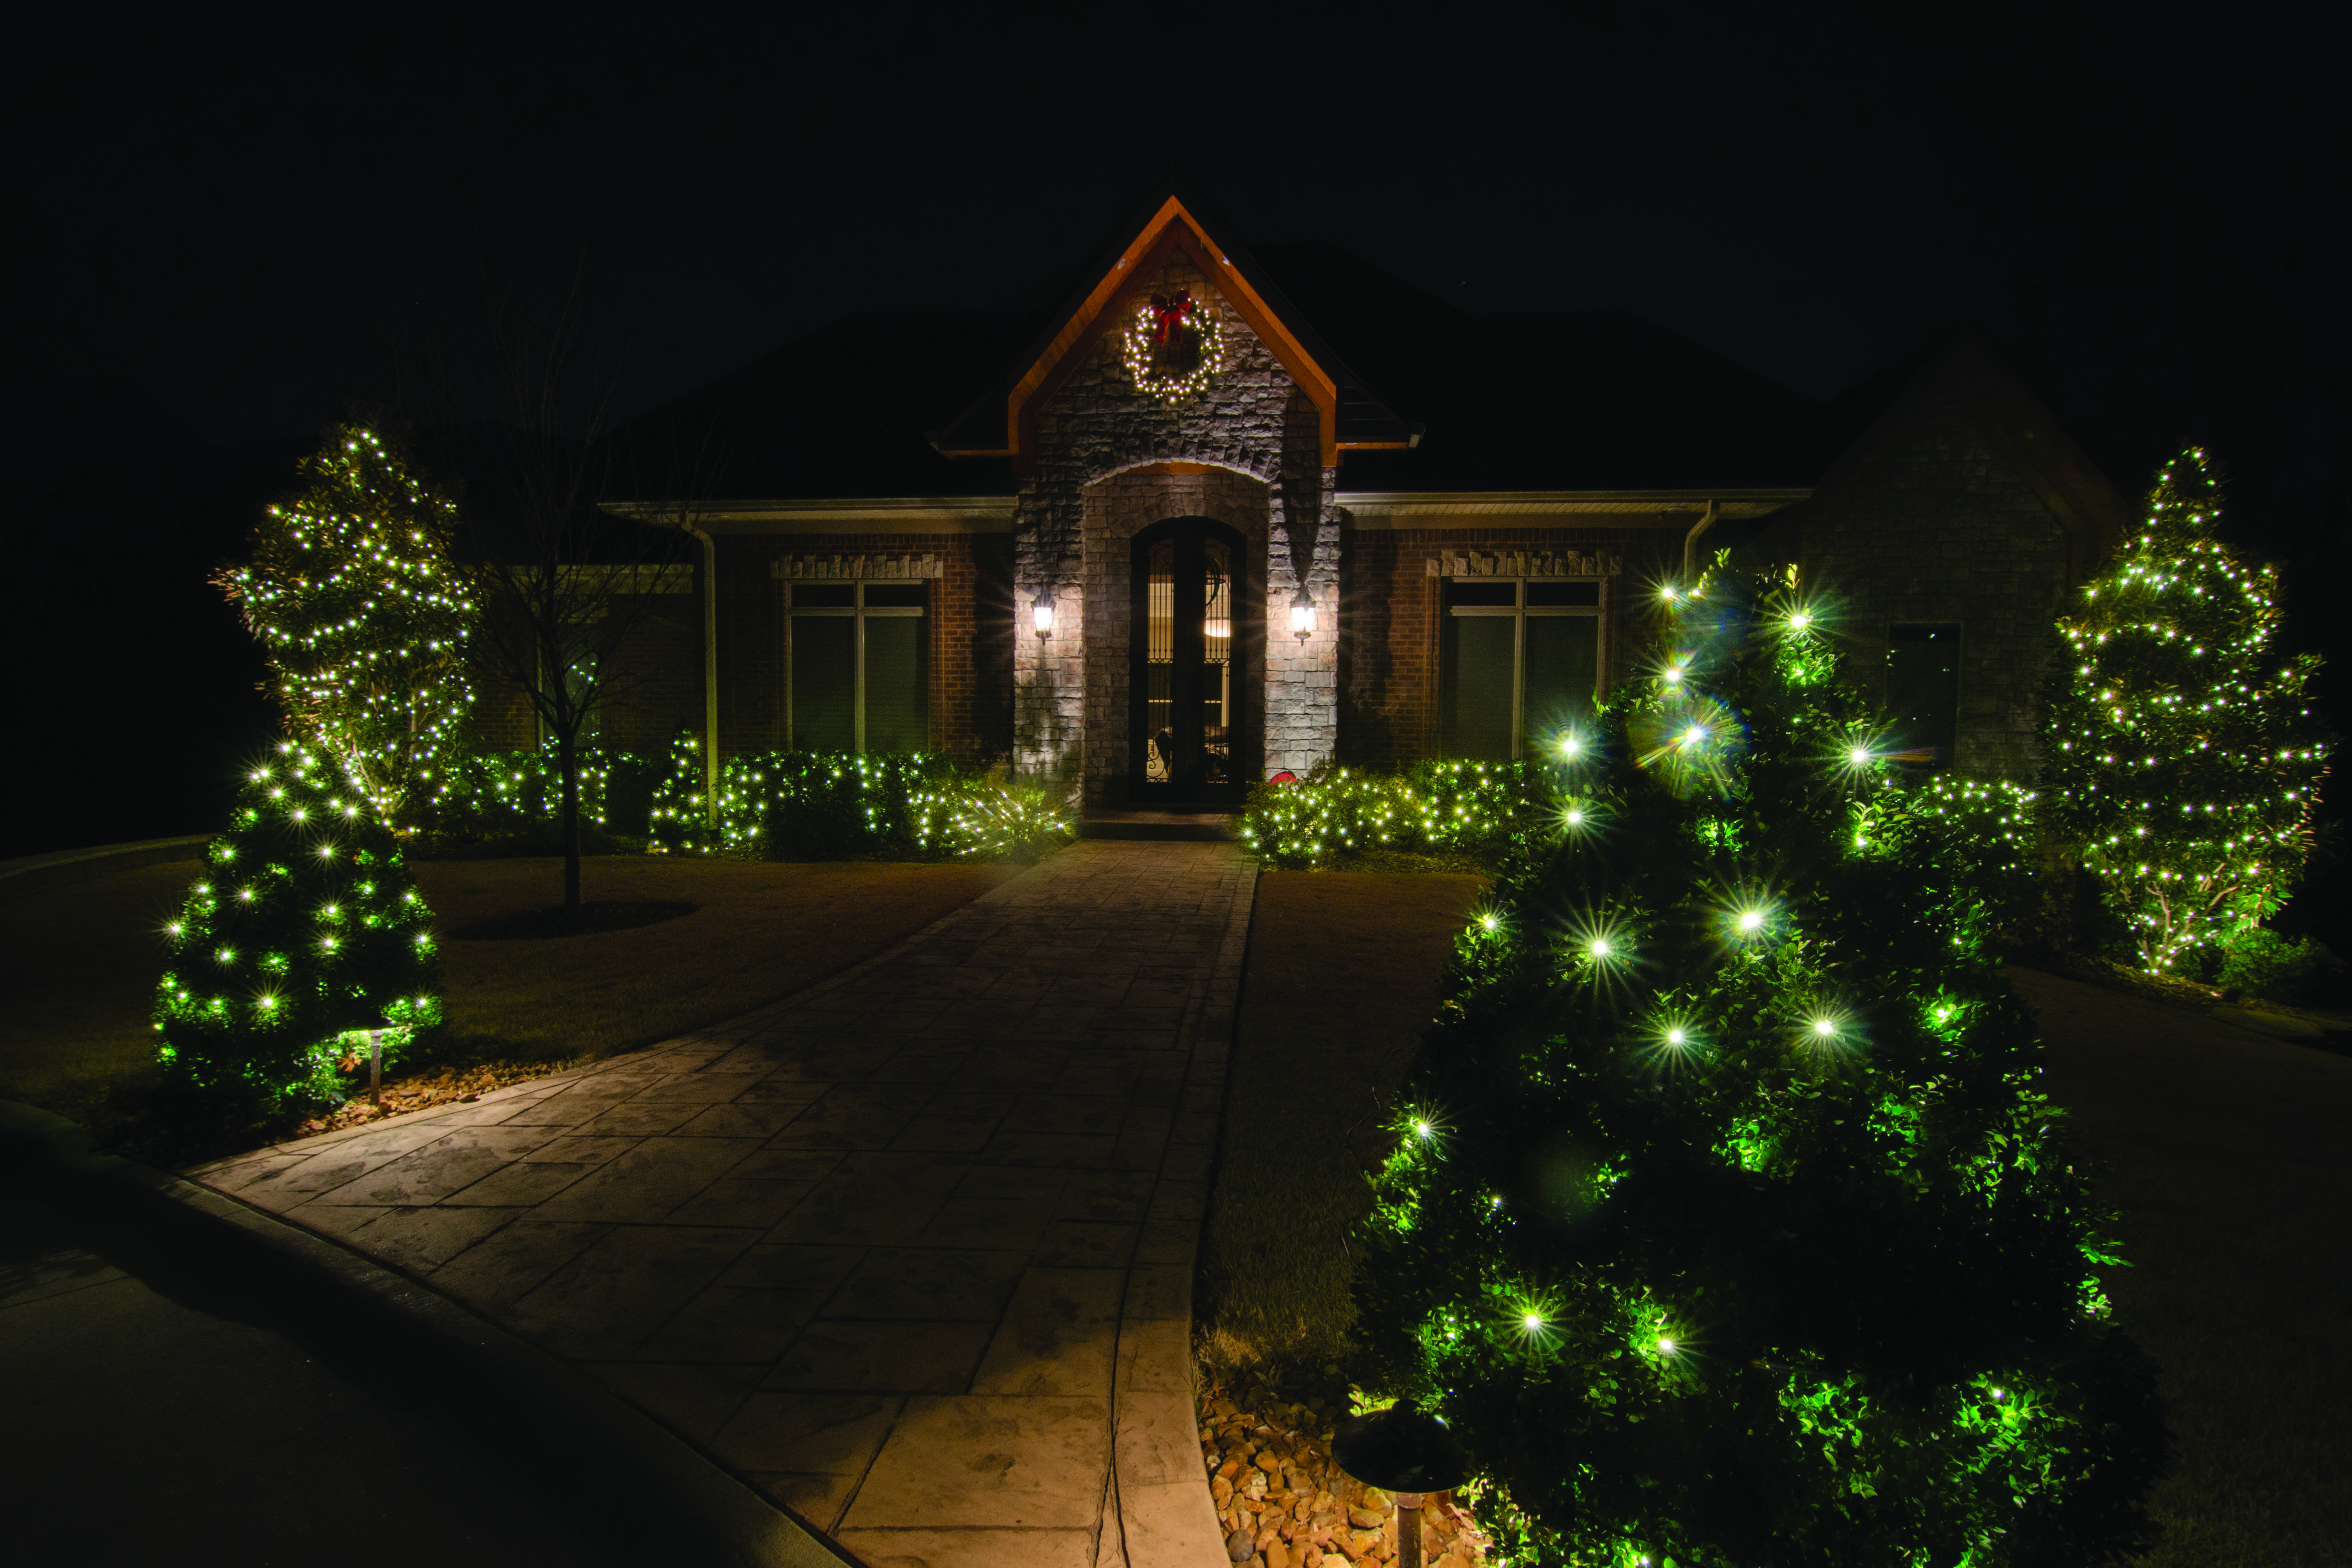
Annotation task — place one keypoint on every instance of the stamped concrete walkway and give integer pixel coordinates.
(911, 1251)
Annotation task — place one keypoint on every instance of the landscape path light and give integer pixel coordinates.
(1405, 1452)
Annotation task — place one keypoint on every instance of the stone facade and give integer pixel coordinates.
(1117, 509)
(1931, 524)
(1253, 423)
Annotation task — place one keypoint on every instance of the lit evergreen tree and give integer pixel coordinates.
(1725, 1223)
(2183, 761)
(351, 592)
(304, 928)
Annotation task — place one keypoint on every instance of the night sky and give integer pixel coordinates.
(228, 239)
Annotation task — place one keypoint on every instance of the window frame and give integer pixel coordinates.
(1519, 611)
(1908, 766)
(858, 610)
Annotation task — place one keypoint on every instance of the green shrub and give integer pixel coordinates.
(1427, 807)
(2293, 970)
(2182, 759)
(305, 930)
(519, 795)
(1994, 842)
(808, 805)
(1724, 1221)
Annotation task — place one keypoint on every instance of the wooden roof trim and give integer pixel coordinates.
(1171, 229)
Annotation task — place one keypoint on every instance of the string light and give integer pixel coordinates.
(2180, 735)
(352, 595)
(1143, 349)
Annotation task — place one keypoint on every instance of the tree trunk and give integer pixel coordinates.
(567, 752)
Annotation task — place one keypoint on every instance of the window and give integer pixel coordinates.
(1517, 659)
(859, 657)
(1923, 692)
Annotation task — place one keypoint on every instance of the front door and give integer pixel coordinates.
(1187, 739)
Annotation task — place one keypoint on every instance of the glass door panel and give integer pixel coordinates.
(1187, 694)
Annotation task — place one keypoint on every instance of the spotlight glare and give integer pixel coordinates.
(1751, 920)
(1824, 1027)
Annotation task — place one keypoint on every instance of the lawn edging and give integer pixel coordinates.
(62, 868)
(683, 1495)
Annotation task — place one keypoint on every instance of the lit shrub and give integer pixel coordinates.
(1993, 841)
(304, 930)
(1724, 1221)
(518, 795)
(810, 805)
(1428, 808)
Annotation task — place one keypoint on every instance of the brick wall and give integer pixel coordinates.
(1930, 524)
(1098, 426)
(1387, 654)
(969, 682)
(653, 682)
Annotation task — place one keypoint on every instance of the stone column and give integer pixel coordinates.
(1049, 673)
(1302, 678)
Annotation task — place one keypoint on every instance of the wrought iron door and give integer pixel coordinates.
(1187, 730)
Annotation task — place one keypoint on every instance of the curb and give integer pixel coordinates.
(705, 1513)
(62, 868)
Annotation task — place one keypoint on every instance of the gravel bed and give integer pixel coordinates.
(423, 1093)
(1280, 1500)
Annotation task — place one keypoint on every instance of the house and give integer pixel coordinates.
(1222, 516)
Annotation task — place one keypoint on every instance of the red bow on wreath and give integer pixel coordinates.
(1169, 312)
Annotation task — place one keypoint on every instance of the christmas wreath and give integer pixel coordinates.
(1173, 347)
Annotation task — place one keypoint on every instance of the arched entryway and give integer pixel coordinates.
(1191, 739)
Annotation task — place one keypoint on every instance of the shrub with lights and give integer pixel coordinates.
(351, 592)
(1429, 808)
(821, 805)
(2182, 758)
(304, 932)
(1726, 1224)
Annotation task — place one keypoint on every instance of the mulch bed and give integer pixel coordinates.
(1265, 1439)
(577, 920)
(451, 1084)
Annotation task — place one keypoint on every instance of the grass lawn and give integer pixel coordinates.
(1343, 972)
(83, 960)
(2228, 1153)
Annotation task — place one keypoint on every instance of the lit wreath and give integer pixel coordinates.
(1158, 326)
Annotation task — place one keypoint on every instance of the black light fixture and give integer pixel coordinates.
(1041, 614)
(1405, 1452)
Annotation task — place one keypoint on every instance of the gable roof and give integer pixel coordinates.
(2017, 425)
(1002, 421)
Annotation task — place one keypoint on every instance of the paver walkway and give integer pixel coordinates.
(912, 1250)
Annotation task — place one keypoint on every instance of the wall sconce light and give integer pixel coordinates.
(1041, 611)
(1302, 616)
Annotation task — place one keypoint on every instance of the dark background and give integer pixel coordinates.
(230, 235)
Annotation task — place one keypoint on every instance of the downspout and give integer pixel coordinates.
(710, 673)
(1690, 540)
